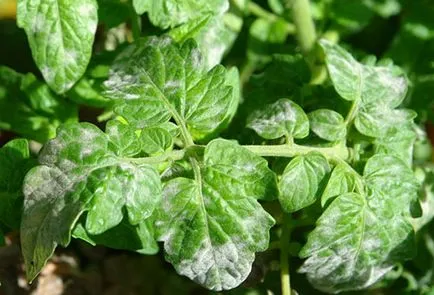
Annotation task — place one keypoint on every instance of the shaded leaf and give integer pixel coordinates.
(29, 108)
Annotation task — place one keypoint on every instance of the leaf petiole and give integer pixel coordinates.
(336, 153)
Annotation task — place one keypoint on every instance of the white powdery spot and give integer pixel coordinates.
(196, 58)
(70, 56)
(172, 84)
(69, 85)
(86, 10)
(92, 27)
(48, 73)
(219, 267)
(39, 23)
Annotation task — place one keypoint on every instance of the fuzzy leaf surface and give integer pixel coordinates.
(301, 180)
(170, 13)
(282, 118)
(61, 34)
(154, 80)
(375, 91)
(212, 225)
(353, 245)
(327, 124)
(80, 171)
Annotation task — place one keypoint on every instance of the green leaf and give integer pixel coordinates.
(135, 187)
(88, 90)
(282, 118)
(349, 16)
(374, 122)
(29, 108)
(392, 178)
(342, 180)
(398, 141)
(154, 80)
(212, 35)
(327, 124)
(61, 34)
(14, 162)
(124, 137)
(375, 91)
(170, 13)
(354, 245)
(301, 181)
(156, 140)
(212, 225)
(265, 38)
(80, 171)
(124, 236)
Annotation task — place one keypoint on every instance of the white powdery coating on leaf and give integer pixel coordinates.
(86, 10)
(224, 265)
(70, 56)
(39, 23)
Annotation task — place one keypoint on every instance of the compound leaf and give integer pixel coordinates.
(80, 171)
(155, 79)
(213, 225)
(353, 245)
(375, 90)
(61, 34)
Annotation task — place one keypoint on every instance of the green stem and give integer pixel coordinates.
(135, 22)
(260, 12)
(169, 156)
(246, 71)
(338, 152)
(305, 27)
(352, 114)
(284, 256)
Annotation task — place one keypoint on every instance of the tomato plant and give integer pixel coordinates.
(227, 130)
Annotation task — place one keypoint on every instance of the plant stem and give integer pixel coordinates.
(260, 12)
(352, 113)
(284, 256)
(338, 152)
(246, 71)
(135, 23)
(305, 27)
